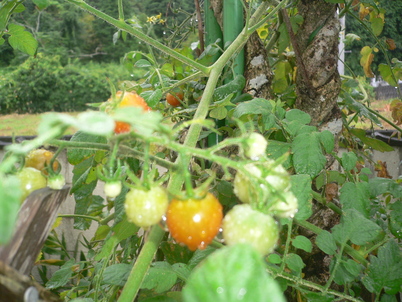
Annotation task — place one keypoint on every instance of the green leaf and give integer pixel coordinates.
(349, 160)
(301, 188)
(142, 63)
(234, 273)
(199, 256)
(327, 177)
(152, 97)
(326, 242)
(175, 253)
(120, 231)
(379, 186)
(77, 155)
(10, 195)
(96, 123)
(160, 277)
(362, 110)
(21, 39)
(167, 69)
(218, 113)
(256, 106)
(277, 149)
(280, 81)
(303, 243)
(327, 140)
(182, 271)
(49, 121)
(61, 276)
(41, 4)
(298, 115)
(347, 271)
(274, 258)
(356, 196)
(385, 270)
(236, 85)
(117, 274)
(395, 219)
(307, 154)
(386, 73)
(356, 228)
(377, 25)
(294, 262)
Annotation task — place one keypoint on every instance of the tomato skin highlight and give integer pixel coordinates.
(174, 99)
(194, 222)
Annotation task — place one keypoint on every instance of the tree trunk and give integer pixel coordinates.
(318, 81)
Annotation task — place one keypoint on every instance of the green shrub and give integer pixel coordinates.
(42, 84)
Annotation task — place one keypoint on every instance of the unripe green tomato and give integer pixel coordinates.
(112, 189)
(256, 145)
(286, 208)
(243, 224)
(146, 208)
(31, 179)
(246, 190)
(56, 182)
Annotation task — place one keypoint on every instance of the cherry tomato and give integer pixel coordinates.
(130, 99)
(243, 224)
(146, 208)
(39, 158)
(174, 99)
(31, 179)
(194, 222)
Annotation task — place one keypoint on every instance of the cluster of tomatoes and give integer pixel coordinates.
(37, 173)
(196, 221)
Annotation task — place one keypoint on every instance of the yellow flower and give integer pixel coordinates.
(161, 21)
(159, 16)
(149, 19)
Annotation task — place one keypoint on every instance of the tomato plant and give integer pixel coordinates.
(194, 222)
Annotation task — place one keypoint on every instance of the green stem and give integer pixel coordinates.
(289, 236)
(333, 272)
(304, 283)
(142, 264)
(384, 118)
(140, 35)
(79, 216)
(330, 205)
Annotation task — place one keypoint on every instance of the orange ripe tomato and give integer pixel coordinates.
(130, 99)
(174, 99)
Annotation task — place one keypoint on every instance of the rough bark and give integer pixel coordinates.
(317, 39)
(257, 71)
